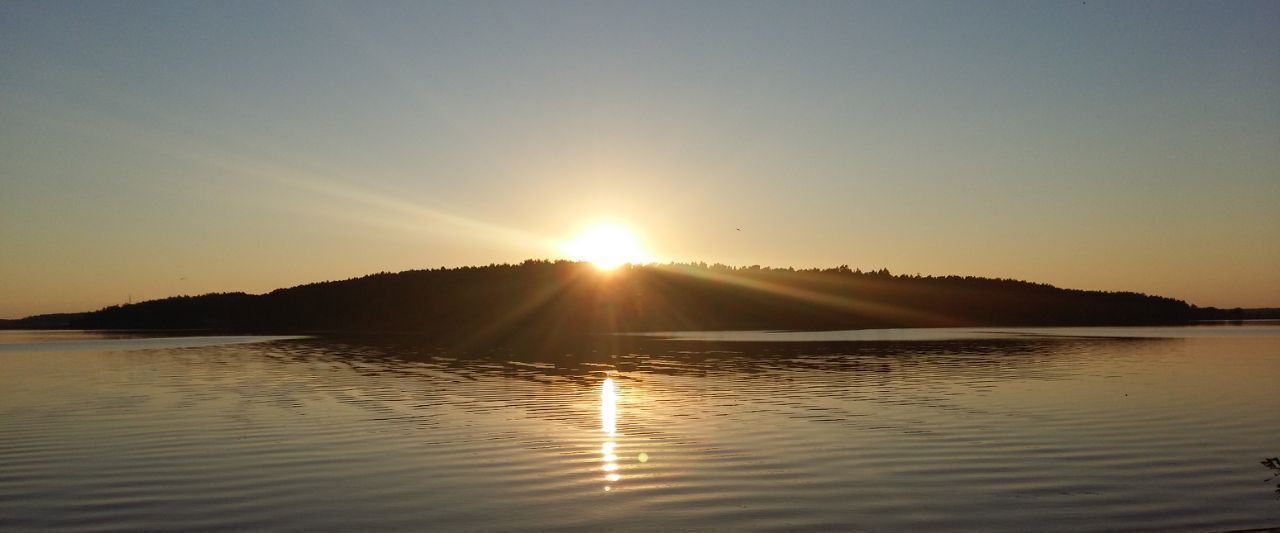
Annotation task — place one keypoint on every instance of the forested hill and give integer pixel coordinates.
(543, 299)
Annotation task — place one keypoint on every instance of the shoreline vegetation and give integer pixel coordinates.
(540, 300)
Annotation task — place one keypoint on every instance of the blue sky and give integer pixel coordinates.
(158, 148)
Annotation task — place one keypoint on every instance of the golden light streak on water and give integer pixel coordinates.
(609, 425)
(608, 408)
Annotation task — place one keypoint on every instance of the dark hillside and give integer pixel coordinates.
(543, 299)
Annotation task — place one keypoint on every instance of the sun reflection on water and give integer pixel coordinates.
(608, 408)
(609, 425)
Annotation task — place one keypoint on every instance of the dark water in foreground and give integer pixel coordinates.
(1102, 429)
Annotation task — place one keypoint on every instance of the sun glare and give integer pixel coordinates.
(607, 246)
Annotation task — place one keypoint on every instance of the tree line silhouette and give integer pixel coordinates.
(540, 299)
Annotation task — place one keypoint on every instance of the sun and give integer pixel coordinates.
(607, 246)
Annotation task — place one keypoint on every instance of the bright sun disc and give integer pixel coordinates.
(606, 246)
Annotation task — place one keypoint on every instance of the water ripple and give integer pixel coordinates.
(1042, 433)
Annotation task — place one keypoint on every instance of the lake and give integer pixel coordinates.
(1013, 429)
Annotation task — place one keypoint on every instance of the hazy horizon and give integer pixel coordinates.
(152, 149)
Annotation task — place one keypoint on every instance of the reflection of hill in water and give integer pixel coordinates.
(588, 359)
(845, 384)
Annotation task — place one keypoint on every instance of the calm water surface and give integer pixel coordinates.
(1068, 429)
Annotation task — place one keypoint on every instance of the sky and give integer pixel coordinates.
(150, 149)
